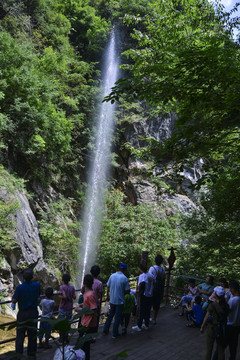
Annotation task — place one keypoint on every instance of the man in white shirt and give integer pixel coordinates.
(158, 274)
(145, 291)
(117, 285)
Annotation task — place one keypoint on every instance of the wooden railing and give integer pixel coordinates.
(170, 292)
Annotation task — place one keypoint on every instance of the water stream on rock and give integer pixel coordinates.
(99, 167)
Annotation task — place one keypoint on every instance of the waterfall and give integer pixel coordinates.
(99, 167)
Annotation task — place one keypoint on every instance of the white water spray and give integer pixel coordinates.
(100, 165)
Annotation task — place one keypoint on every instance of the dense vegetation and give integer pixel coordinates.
(179, 56)
(186, 61)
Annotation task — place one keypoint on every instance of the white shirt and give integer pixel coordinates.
(148, 279)
(154, 270)
(234, 313)
(47, 306)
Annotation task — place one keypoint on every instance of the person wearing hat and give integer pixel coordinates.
(216, 310)
(26, 295)
(117, 285)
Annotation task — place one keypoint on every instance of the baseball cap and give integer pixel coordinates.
(123, 266)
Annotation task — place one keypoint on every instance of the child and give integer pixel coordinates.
(67, 295)
(47, 306)
(128, 307)
(195, 314)
(145, 290)
(188, 299)
(134, 310)
(88, 321)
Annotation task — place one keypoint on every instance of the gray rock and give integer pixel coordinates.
(159, 128)
(27, 251)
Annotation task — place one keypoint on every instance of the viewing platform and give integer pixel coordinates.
(169, 339)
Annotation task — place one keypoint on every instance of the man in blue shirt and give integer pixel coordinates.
(117, 285)
(26, 295)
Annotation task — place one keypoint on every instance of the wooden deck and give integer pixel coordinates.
(169, 339)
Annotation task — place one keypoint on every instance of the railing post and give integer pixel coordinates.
(144, 258)
(171, 261)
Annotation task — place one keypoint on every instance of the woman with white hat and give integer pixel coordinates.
(216, 320)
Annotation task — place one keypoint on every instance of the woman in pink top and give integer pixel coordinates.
(97, 288)
(88, 321)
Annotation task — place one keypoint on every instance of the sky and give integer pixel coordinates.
(229, 4)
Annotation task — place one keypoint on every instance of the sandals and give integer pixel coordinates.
(190, 325)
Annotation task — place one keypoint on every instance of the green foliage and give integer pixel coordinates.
(59, 231)
(187, 62)
(8, 206)
(127, 230)
(209, 247)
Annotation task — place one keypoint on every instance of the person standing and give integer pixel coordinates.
(26, 295)
(233, 321)
(47, 306)
(117, 285)
(158, 273)
(67, 295)
(88, 321)
(145, 291)
(217, 311)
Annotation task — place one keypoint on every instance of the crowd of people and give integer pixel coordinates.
(215, 308)
(218, 310)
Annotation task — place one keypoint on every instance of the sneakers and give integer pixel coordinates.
(145, 327)
(136, 328)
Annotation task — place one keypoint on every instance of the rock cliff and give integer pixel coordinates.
(25, 248)
(142, 185)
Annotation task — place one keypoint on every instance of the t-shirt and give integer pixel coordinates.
(205, 287)
(148, 280)
(154, 270)
(27, 295)
(89, 320)
(234, 311)
(129, 303)
(118, 284)
(212, 312)
(198, 313)
(69, 291)
(47, 306)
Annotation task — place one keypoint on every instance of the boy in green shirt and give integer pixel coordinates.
(128, 307)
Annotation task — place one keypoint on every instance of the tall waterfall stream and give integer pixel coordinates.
(99, 167)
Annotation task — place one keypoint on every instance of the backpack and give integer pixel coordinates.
(158, 285)
(221, 328)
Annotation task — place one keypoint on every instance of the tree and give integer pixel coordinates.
(188, 62)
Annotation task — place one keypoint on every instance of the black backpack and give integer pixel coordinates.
(158, 285)
(221, 328)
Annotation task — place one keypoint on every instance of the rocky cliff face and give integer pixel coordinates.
(153, 189)
(26, 247)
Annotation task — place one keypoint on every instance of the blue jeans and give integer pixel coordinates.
(44, 325)
(117, 311)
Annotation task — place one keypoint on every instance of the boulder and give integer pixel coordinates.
(27, 250)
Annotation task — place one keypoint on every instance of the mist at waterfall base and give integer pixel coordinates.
(99, 167)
